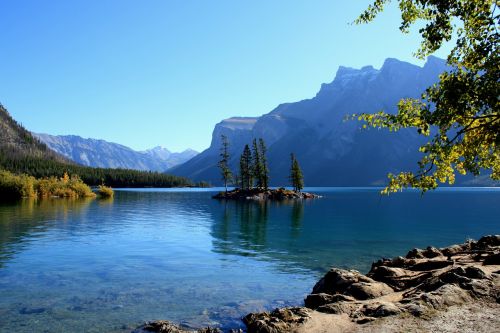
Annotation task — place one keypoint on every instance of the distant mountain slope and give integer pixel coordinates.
(17, 142)
(21, 152)
(331, 150)
(103, 154)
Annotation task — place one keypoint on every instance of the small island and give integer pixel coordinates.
(263, 194)
(253, 179)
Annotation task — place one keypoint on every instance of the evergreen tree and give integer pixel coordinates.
(264, 167)
(224, 161)
(296, 177)
(257, 163)
(246, 173)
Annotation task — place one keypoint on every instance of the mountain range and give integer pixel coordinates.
(332, 151)
(22, 153)
(104, 154)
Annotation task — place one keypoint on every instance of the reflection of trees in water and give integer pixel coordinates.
(18, 220)
(297, 217)
(253, 222)
(243, 226)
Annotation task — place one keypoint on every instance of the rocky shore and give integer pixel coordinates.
(451, 289)
(262, 194)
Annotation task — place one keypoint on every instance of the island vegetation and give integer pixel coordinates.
(252, 182)
(105, 191)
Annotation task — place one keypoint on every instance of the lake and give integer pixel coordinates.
(177, 254)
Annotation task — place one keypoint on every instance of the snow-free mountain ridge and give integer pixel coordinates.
(104, 154)
(332, 151)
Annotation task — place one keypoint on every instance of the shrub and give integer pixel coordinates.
(14, 186)
(105, 191)
(22, 186)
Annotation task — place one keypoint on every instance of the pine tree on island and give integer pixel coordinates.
(253, 177)
(224, 161)
(296, 177)
(246, 172)
(264, 168)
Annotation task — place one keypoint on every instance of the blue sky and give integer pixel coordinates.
(148, 73)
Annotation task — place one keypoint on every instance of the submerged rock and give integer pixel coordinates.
(165, 326)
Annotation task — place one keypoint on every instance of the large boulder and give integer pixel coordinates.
(446, 295)
(337, 281)
(380, 309)
(368, 290)
(431, 252)
(487, 242)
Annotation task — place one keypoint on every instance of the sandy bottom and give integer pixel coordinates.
(477, 317)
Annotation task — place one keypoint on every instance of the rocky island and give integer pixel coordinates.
(451, 289)
(263, 194)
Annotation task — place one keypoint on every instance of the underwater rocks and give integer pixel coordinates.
(262, 194)
(164, 326)
(419, 284)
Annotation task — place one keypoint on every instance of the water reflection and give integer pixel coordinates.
(350, 229)
(266, 230)
(95, 266)
(24, 220)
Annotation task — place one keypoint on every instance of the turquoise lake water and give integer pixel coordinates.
(108, 265)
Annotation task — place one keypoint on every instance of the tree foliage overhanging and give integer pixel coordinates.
(460, 114)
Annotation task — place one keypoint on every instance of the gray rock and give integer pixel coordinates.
(487, 242)
(415, 309)
(337, 281)
(278, 321)
(314, 301)
(165, 326)
(339, 308)
(452, 250)
(368, 290)
(415, 254)
(431, 252)
(430, 265)
(446, 295)
(380, 309)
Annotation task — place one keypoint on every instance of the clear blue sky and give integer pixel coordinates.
(148, 73)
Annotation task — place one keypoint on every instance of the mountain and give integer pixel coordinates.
(332, 151)
(21, 152)
(17, 143)
(103, 154)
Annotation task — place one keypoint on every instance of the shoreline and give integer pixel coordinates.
(433, 289)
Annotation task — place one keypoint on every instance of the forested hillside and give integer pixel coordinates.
(20, 152)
